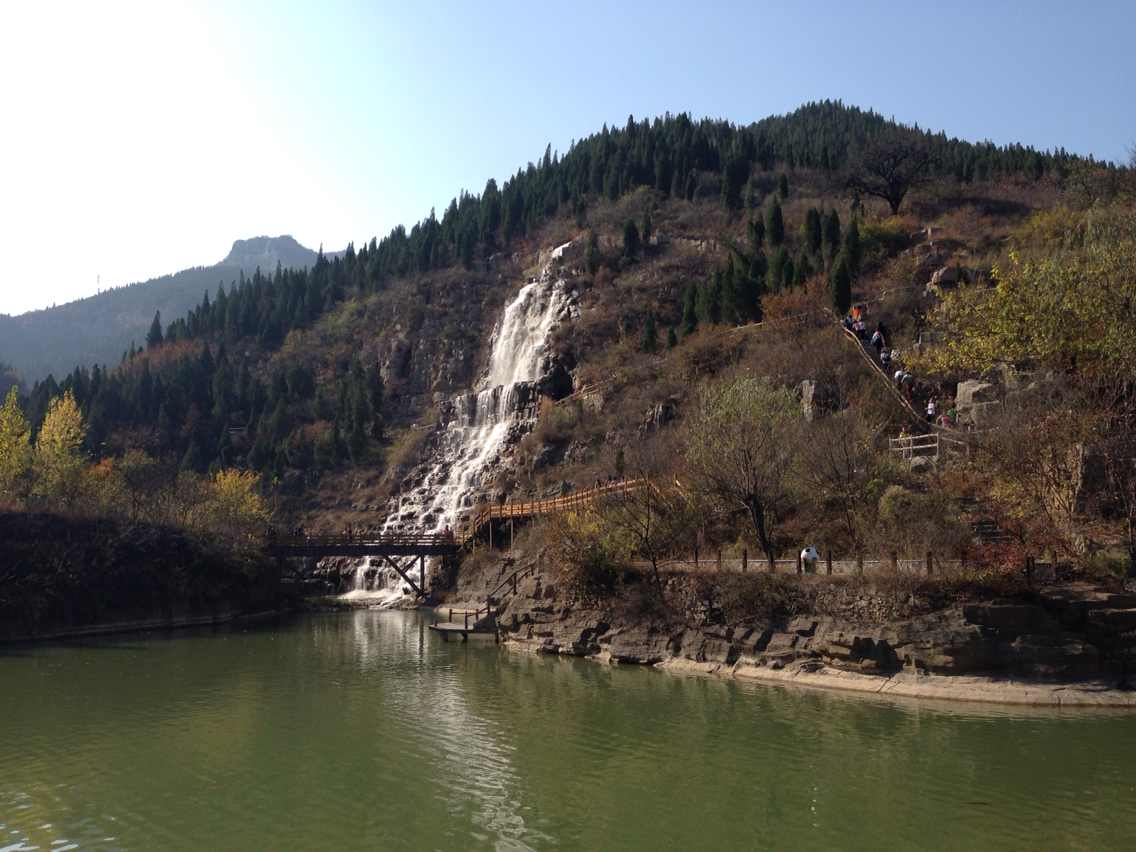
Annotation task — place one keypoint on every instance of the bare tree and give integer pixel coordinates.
(741, 445)
(658, 518)
(837, 463)
(889, 166)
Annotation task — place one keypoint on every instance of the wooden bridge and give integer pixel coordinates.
(521, 509)
(392, 547)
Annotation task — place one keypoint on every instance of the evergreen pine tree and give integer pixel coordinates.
(630, 240)
(775, 274)
(831, 234)
(357, 441)
(154, 336)
(840, 286)
(803, 269)
(813, 231)
(756, 235)
(783, 186)
(650, 342)
(775, 225)
(592, 253)
(672, 338)
(690, 310)
(710, 301)
(853, 251)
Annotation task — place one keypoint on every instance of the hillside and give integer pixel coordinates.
(99, 328)
(684, 264)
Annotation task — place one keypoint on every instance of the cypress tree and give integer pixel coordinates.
(788, 273)
(154, 336)
(690, 310)
(840, 286)
(592, 253)
(831, 234)
(803, 269)
(853, 251)
(812, 231)
(776, 271)
(756, 235)
(650, 342)
(775, 225)
(630, 240)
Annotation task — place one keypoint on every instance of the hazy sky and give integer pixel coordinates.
(142, 138)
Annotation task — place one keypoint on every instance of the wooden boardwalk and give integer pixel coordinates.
(534, 508)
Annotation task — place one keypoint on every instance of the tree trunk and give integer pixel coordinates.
(658, 580)
(757, 516)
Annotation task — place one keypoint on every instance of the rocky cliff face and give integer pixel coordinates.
(266, 252)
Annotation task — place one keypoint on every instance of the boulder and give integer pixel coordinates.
(974, 391)
(817, 398)
(947, 276)
(658, 415)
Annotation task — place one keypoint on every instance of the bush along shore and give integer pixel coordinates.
(985, 637)
(65, 576)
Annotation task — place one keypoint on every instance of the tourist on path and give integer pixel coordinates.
(809, 559)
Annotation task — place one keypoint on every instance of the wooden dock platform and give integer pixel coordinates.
(469, 622)
(446, 629)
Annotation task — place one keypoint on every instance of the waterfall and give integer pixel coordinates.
(486, 422)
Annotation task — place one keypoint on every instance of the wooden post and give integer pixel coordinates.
(894, 562)
(859, 565)
(719, 560)
(828, 563)
(772, 562)
(930, 564)
(800, 567)
(422, 574)
(451, 618)
(745, 560)
(491, 530)
(467, 619)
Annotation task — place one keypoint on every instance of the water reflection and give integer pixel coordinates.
(364, 730)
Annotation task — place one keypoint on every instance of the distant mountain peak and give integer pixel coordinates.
(266, 252)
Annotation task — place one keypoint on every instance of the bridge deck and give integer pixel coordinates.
(397, 545)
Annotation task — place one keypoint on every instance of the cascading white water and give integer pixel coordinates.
(485, 422)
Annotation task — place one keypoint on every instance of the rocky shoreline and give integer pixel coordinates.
(1069, 643)
(905, 684)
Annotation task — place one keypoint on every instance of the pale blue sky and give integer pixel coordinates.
(144, 137)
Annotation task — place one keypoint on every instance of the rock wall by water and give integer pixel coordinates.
(1067, 630)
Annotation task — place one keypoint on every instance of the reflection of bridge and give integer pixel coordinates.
(393, 548)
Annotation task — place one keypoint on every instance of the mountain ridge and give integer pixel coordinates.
(97, 329)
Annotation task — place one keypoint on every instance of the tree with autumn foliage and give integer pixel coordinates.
(59, 460)
(15, 450)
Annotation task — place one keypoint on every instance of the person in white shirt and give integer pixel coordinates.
(809, 559)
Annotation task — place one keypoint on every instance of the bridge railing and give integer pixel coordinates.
(551, 505)
(392, 540)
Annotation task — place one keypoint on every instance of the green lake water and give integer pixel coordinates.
(366, 731)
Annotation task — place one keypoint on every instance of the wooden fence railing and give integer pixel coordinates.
(931, 446)
(549, 506)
